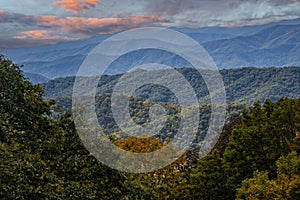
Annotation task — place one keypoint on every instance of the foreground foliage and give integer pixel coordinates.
(41, 157)
(285, 186)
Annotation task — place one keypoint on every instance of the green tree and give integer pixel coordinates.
(42, 157)
(285, 186)
(266, 133)
(208, 179)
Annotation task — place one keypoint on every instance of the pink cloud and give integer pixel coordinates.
(39, 35)
(69, 28)
(81, 25)
(75, 6)
(90, 26)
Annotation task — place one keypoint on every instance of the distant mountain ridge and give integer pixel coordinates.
(35, 78)
(275, 44)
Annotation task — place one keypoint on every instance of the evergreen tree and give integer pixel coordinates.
(42, 157)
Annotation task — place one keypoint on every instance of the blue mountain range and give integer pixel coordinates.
(275, 44)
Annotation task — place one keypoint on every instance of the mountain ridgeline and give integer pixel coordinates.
(243, 85)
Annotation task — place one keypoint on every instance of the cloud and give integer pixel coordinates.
(199, 13)
(75, 6)
(174, 7)
(284, 2)
(57, 29)
(170, 7)
(81, 25)
(127, 14)
(33, 38)
(92, 26)
(40, 35)
(7, 17)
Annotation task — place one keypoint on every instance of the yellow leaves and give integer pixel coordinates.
(146, 102)
(159, 182)
(139, 144)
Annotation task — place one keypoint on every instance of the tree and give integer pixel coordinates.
(165, 183)
(265, 134)
(208, 179)
(285, 186)
(42, 157)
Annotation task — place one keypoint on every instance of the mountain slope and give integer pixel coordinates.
(275, 46)
(35, 78)
(245, 85)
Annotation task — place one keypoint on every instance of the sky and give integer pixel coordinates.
(26, 23)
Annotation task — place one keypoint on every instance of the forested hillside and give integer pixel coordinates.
(244, 85)
(42, 157)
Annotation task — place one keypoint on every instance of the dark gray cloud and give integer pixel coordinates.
(174, 7)
(7, 17)
(195, 13)
(284, 2)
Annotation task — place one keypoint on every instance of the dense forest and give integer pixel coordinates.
(41, 155)
(244, 85)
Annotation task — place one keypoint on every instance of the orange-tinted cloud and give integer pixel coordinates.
(40, 35)
(91, 26)
(69, 28)
(75, 6)
(80, 25)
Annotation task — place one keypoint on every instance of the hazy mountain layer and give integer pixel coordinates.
(275, 44)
